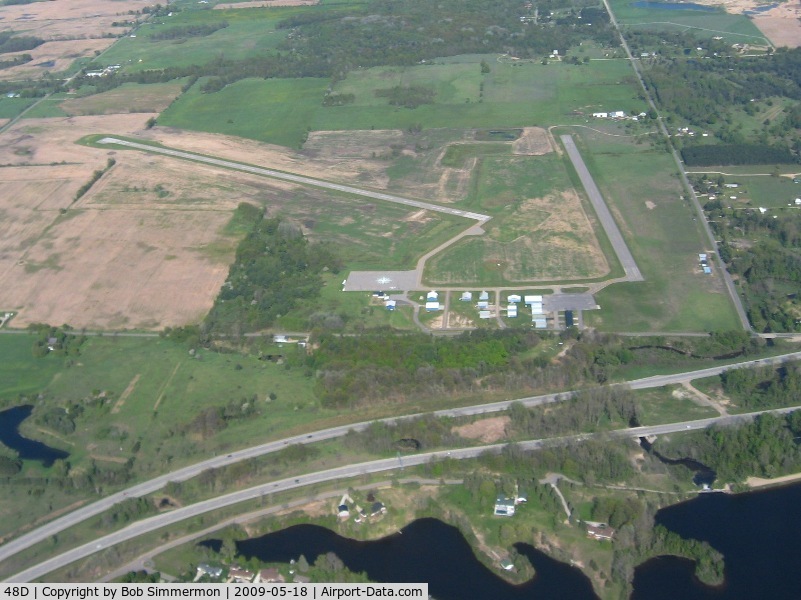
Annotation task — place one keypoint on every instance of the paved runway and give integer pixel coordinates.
(608, 223)
(296, 178)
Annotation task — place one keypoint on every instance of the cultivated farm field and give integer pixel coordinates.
(131, 97)
(734, 28)
(72, 30)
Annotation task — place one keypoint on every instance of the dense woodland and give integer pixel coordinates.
(20, 59)
(275, 267)
(715, 92)
(763, 251)
(736, 154)
(379, 366)
(767, 447)
(187, 31)
(766, 387)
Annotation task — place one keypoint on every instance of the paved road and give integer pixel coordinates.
(78, 516)
(296, 178)
(608, 223)
(727, 280)
(144, 561)
(376, 466)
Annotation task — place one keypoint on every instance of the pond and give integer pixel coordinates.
(10, 420)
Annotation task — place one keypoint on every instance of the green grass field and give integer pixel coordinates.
(48, 107)
(644, 195)
(535, 234)
(669, 405)
(281, 111)
(251, 32)
(20, 372)
(766, 191)
(514, 95)
(11, 107)
(702, 24)
(168, 376)
(134, 375)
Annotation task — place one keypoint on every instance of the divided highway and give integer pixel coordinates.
(375, 466)
(77, 516)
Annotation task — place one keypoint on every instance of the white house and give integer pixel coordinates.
(432, 296)
(483, 296)
(511, 311)
(207, 569)
(600, 115)
(390, 304)
(432, 306)
(513, 298)
(466, 297)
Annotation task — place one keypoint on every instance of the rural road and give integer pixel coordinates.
(375, 466)
(296, 178)
(608, 223)
(727, 280)
(78, 516)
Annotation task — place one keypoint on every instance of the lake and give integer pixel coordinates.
(759, 534)
(426, 550)
(10, 420)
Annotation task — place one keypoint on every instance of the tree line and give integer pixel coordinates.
(187, 31)
(11, 43)
(388, 367)
(736, 154)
